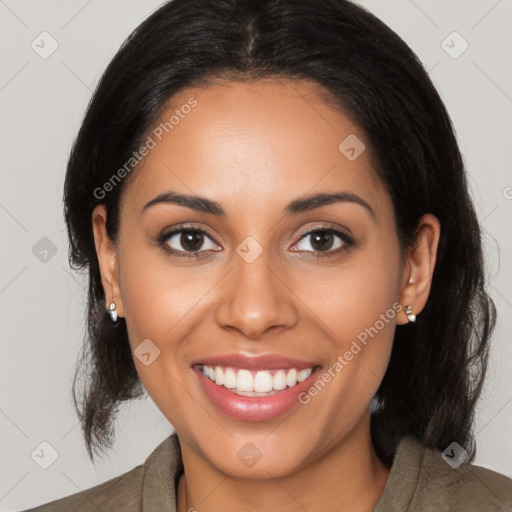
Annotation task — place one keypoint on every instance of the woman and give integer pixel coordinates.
(270, 202)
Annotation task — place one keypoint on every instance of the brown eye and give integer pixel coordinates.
(186, 242)
(191, 240)
(324, 242)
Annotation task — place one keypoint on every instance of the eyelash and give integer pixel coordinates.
(348, 243)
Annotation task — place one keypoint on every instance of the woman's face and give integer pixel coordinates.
(253, 291)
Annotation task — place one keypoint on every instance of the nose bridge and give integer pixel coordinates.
(253, 297)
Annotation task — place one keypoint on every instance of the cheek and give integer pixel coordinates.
(162, 303)
(352, 298)
(360, 310)
(362, 322)
(156, 300)
(156, 295)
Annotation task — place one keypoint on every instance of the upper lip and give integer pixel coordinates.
(262, 362)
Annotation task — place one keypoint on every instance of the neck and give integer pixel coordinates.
(347, 476)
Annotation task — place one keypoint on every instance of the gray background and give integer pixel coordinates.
(42, 102)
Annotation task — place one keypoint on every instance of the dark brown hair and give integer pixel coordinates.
(438, 364)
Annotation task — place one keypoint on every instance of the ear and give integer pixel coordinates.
(419, 267)
(107, 259)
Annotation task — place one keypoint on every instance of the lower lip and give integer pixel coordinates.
(254, 408)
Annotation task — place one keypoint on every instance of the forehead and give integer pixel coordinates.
(260, 143)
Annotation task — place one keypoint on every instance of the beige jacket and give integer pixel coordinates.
(419, 481)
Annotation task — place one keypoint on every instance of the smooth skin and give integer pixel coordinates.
(253, 148)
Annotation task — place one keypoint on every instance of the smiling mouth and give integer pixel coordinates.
(245, 382)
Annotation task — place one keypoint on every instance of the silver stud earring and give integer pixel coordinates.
(409, 313)
(113, 312)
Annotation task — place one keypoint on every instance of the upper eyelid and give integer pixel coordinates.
(343, 231)
(165, 235)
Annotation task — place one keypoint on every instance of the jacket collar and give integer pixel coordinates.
(164, 466)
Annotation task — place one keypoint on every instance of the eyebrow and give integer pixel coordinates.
(300, 205)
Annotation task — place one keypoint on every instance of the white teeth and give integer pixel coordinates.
(256, 383)
(244, 381)
(219, 376)
(304, 374)
(262, 382)
(229, 378)
(279, 380)
(291, 377)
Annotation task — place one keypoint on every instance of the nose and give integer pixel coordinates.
(254, 298)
